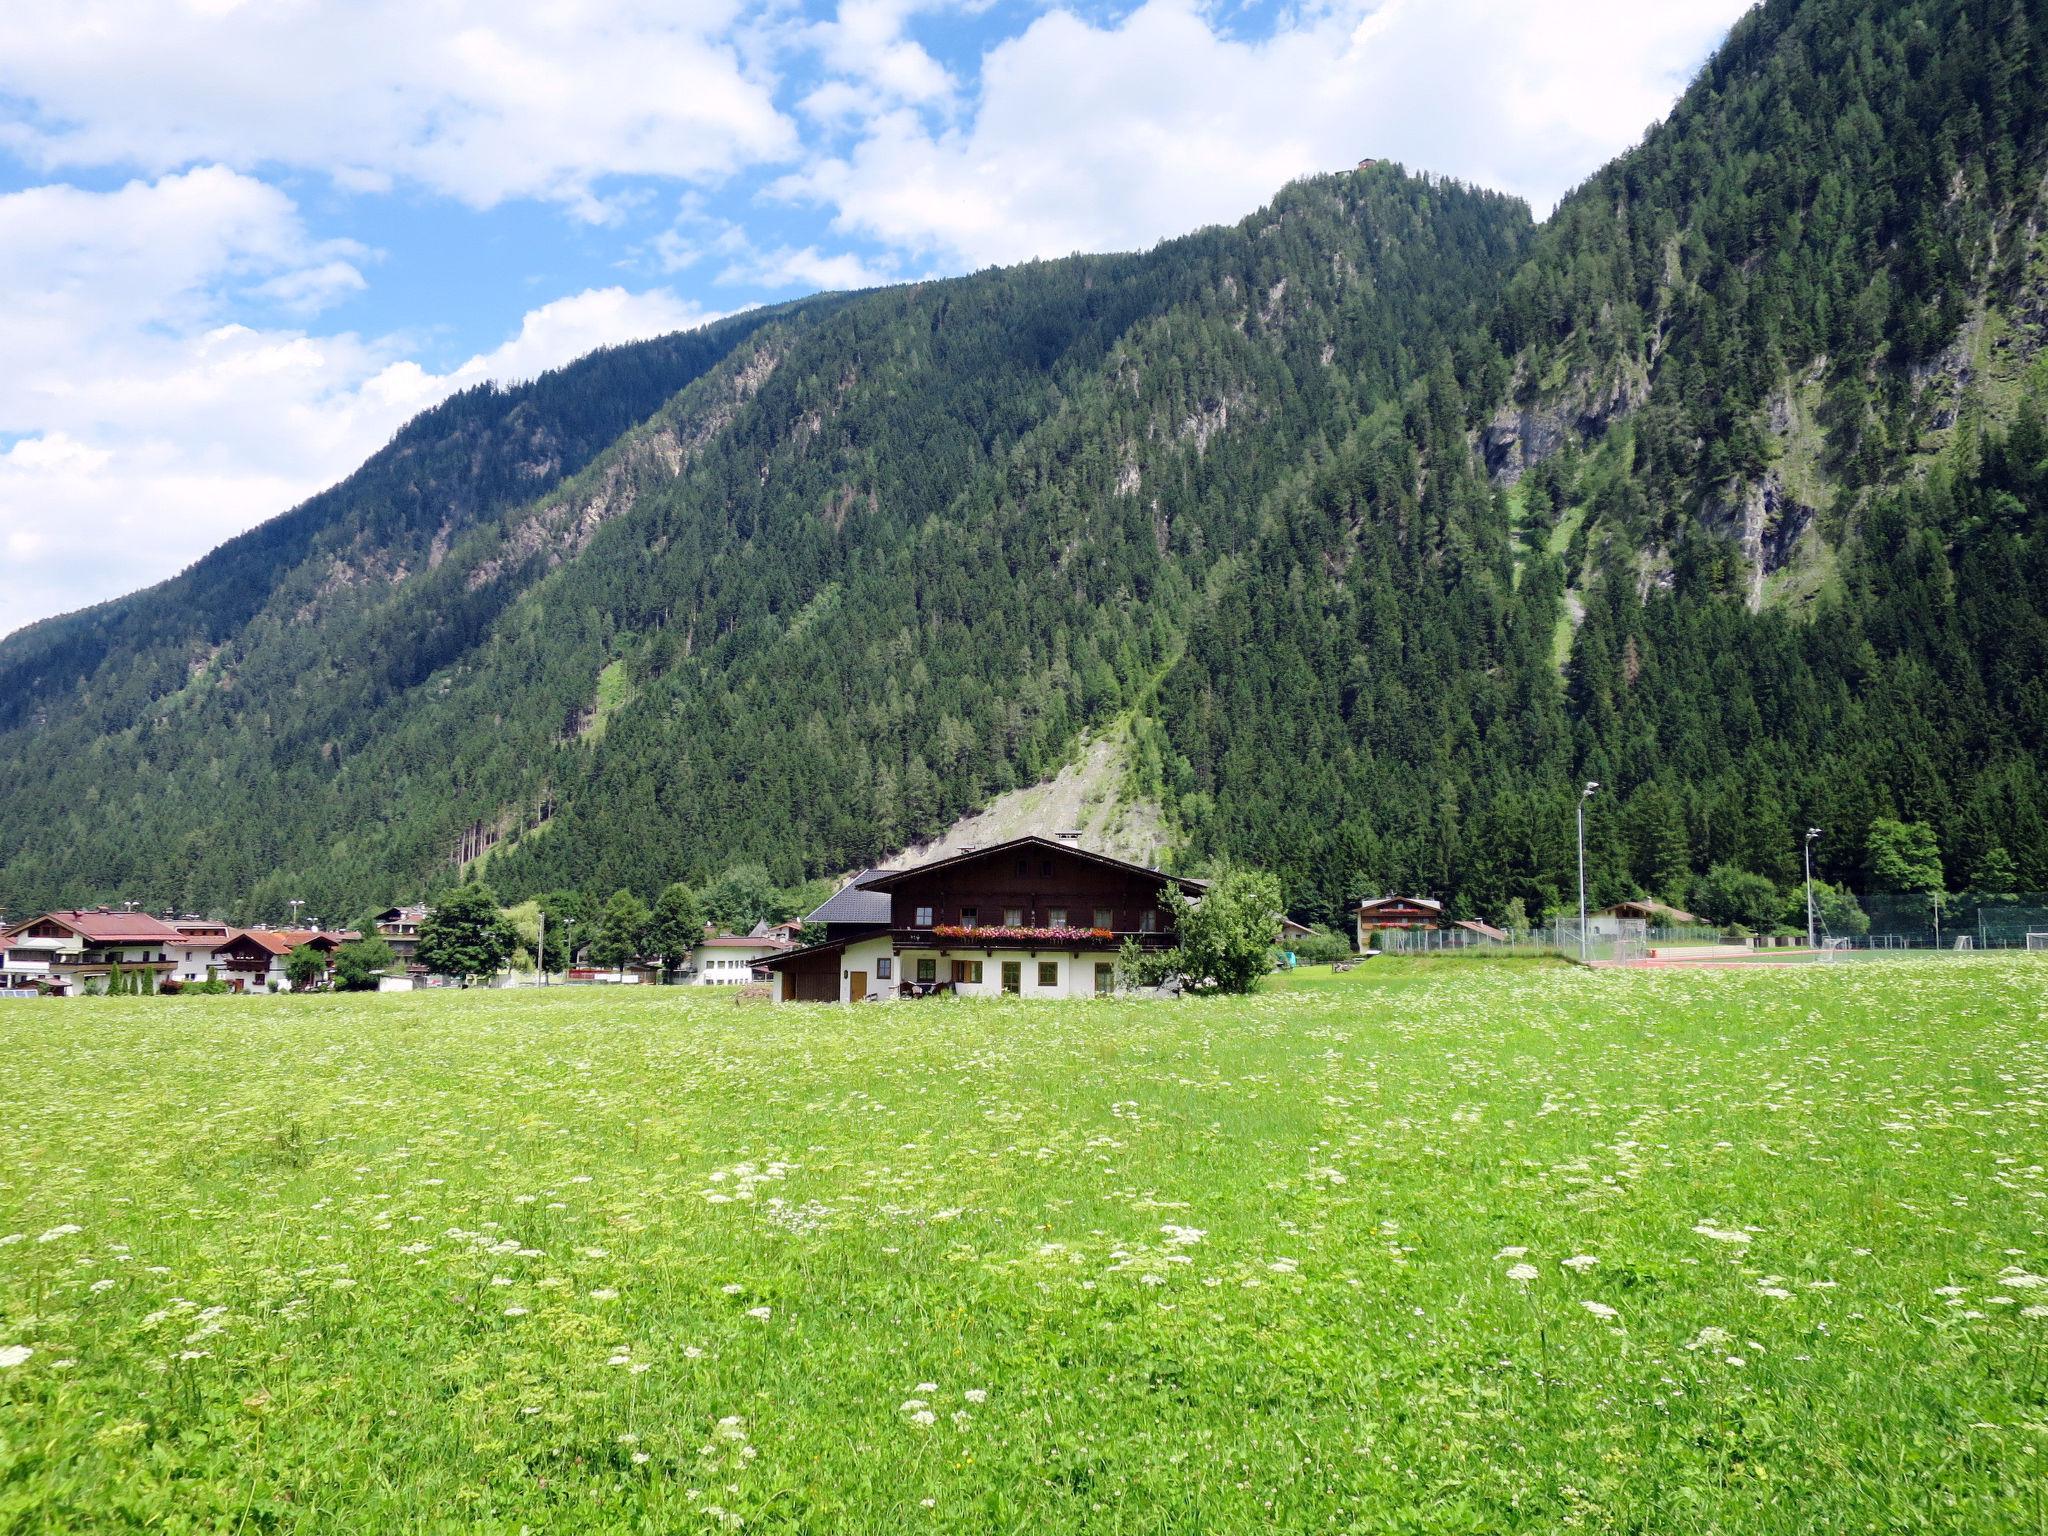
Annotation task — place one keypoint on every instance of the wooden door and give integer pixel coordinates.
(857, 989)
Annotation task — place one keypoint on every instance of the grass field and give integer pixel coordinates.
(1429, 1247)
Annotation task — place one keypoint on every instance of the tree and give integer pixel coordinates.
(1223, 939)
(1904, 856)
(1835, 909)
(305, 967)
(676, 927)
(621, 931)
(741, 897)
(1731, 895)
(360, 962)
(1995, 874)
(466, 936)
(569, 912)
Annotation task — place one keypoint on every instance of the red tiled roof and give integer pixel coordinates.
(282, 941)
(109, 927)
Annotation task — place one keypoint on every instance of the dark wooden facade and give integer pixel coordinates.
(1031, 883)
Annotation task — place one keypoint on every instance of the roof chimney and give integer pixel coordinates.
(1068, 837)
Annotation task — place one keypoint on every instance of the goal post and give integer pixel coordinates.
(2037, 939)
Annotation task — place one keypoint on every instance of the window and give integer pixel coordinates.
(1048, 973)
(1105, 979)
(1148, 920)
(927, 971)
(885, 969)
(1013, 917)
(1104, 918)
(1045, 868)
(1023, 866)
(924, 918)
(968, 915)
(967, 972)
(1013, 976)
(1057, 917)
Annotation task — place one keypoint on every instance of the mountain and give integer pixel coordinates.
(1373, 524)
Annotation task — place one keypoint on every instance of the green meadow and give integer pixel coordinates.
(1423, 1248)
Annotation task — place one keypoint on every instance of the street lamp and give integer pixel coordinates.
(1592, 788)
(295, 904)
(1811, 941)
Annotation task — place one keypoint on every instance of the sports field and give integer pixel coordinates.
(1433, 1246)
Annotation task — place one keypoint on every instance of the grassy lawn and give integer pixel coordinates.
(1427, 1247)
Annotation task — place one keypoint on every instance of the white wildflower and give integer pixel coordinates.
(13, 1355)
(1579, 1261)
(1599, 1309)
(761, 1312)
(56, 1232)
(1720, 1234)
(1522, 1272)
(1512, 1253)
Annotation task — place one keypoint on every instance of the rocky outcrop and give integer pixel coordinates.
(1520, 437)
(1765, 520)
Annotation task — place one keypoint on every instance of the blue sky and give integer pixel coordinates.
(242, 240)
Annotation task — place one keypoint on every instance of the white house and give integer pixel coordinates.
(1029, 918)
(728, 959)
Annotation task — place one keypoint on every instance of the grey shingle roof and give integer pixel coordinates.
(851, 903)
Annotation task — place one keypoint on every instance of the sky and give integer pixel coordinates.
(242, 241)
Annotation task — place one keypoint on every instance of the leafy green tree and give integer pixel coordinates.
(1995, 873)
(621, 931)
(676, 927)
(305, 967)
(1731, 895)
(740, 897)
(1905, 857)
(1223, 939)
(570, 913)
(1835, 908)
(466, 936)
(360, 962)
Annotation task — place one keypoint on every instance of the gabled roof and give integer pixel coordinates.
(1484, 930)
(738, 941)
(1649, 909)
(889, 879)
(99, 926)
(282, 941)
(853, 902)
(780, 958)
(1370, 902)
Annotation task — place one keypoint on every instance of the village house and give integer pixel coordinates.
(400, 928)
(253, 959)
(1031, 917)
(729, 959)
(69, 952)
(1377, 914)
(192, 955)
(1398, 917)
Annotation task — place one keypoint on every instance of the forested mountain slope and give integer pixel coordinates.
(1745, 406)
(1385, 516)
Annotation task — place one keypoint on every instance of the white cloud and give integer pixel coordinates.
(865, 41)
(1087, 137)
(149, 426)
(482, 100)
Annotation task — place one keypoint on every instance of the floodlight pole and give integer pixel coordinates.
(541, 959)
(1811, 941)
(1592, 787)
